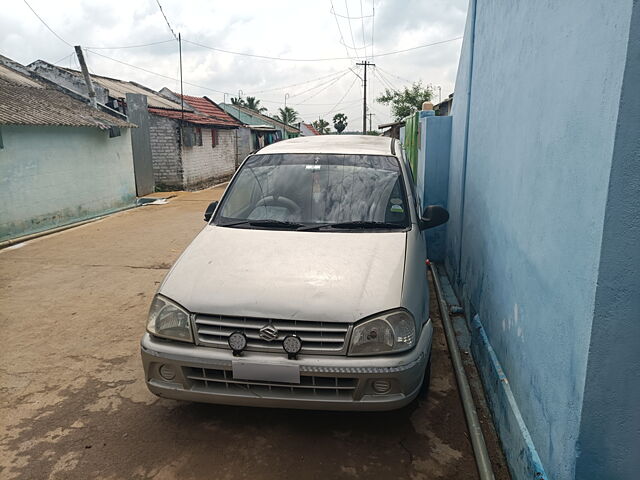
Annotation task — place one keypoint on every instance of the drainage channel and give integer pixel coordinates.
(471, 414)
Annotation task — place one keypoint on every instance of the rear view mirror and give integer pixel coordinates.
(209, 212)
(433, 216)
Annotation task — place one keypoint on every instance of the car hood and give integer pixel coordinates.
(318, 276)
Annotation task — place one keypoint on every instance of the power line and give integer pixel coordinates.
(386, 81)
(285, 59)
(393, 75)
(297, 84)
(333, 82)
(364, 45)
(275, 102)
(340, 75)
(353, 42)
(166, 20)
(46, 25)
(364, 42)
(154, 73)
(133, 46)
(353, 18)
(373, 24)
(343, 97)
(417, 47)
(335, 16)
(63, 58)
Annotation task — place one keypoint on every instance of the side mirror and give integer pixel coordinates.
(433, 216)
(209, 212)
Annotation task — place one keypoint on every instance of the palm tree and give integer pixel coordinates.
(321, 125)
(238, 101)
(287, 115)
(254, 104)
(340, 122)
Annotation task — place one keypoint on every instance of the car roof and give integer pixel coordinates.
(339, 144)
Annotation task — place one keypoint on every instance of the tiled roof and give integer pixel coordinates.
(265, 118)
(191, 117)
(207, 107)
(26, 101)
(311, 128)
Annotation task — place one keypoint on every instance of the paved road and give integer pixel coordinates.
(73, 404)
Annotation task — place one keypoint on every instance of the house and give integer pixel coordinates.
(176, 147)
(215, 124)
(392, 129)
(306, 129)
(443, 108)
(259, 130)
(61, 161)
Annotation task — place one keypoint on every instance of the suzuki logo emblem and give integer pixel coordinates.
(269, 333)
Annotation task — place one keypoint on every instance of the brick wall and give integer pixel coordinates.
(206, 165)
(165, 153)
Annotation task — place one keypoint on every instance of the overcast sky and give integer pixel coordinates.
(284, 29)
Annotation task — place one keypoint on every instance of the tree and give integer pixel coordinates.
(321, 125)
(237, 101)
(287, 115)
(406, 101)
(340, 122)
(254, 104)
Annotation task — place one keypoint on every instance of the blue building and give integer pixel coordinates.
(543, 244)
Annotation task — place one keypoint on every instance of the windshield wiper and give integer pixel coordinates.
(265, 223)
(354, 225)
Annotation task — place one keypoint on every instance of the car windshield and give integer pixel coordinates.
(318, 191)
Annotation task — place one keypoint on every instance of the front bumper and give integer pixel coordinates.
(204, 374)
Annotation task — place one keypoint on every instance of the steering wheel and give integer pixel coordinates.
(279, 200)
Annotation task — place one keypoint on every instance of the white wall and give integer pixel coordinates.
(52, 176)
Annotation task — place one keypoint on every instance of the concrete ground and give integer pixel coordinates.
(73, 404)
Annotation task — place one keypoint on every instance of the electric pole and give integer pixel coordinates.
(370, 115)
(365, 64)
(181, 87)
(87, 77)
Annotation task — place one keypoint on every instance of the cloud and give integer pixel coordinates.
(290, 29)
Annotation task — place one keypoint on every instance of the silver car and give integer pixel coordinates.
(306, 289)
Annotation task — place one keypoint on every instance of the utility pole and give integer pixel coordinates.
(370, 115)
(181, 89)
(365, 64)
(87, 77)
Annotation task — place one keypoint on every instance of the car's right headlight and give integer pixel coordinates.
(388, 332)
(169, 320)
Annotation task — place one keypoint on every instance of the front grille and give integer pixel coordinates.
(317, 337)
(312, 387)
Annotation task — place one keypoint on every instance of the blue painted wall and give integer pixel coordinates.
(433, 174)
(609, 440)
(537, 170)
(53, 176)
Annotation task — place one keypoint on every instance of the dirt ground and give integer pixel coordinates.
(73, 404)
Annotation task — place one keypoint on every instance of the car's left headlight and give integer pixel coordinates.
(169, 320)
(388, 332)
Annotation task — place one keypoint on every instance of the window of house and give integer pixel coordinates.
(198, 137)
(214, 138)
